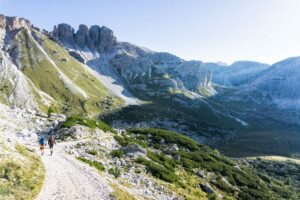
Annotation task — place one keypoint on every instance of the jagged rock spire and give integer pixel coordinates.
(96, 38)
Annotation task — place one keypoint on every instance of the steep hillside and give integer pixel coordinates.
(37, 73)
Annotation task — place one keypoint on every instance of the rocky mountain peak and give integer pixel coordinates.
(95, 38)
(13, 23)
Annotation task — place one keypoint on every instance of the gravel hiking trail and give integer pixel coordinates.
(69, 179)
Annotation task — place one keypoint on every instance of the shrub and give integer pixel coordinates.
(91, 123)
(92, 152)
(126, 140)
(158, 170)
(169, 163)
(92, 163)
(118, 153)
(50, 110)
(169, 136)
(115, 171)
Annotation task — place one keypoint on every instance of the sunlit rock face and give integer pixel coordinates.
(95, 38)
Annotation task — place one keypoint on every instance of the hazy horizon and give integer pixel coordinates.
(228, 31)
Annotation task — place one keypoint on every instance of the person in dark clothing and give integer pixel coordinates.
(51, 142)
(42, 143)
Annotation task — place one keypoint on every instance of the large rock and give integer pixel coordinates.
(82, 35)
(134, 150)
(94, 37)
(206, 188)
(64, 32)
(75, 132)
(107, 39)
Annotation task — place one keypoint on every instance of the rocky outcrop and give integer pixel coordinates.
(95, 38)
(82, 35)
(64, 32)
(13, 23)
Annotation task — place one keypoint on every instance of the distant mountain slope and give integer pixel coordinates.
(280, 83)
(238, 73)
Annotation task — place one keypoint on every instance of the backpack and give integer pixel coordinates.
(51, 141)
(42, 141)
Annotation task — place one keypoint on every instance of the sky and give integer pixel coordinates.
(208, 30)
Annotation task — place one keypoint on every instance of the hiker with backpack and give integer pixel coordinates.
(51, 142)
(42, 143)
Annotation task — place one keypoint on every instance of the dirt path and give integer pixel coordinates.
(69, 179)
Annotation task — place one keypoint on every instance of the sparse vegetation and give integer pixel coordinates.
(92, 163)
(195, 156)
(158, 170)
(119, 153)
(115, 171)
(91, 123)
(21, 179)
(120, 194)
(92, 152)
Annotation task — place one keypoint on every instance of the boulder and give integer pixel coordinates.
(200, 173)
(173, 148)
(77, 56)
(206, 188)
(75, 132)
(134, 150)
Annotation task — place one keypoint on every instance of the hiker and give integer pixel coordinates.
(42, 142)
(51, 142)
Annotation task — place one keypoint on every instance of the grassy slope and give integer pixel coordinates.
(47, 79)
(21, 174)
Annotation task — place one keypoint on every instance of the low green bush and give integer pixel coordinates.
(118, 153)
(115, 171)
(126, 140)
(92, 152)
(169, 136)
(92, 163)
(91, 123)
(169, 163)
(158, 171)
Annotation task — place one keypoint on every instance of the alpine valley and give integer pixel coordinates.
(162, 127)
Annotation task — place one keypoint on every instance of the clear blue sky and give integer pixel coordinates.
(208, 30)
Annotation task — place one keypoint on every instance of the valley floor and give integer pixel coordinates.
(69, 179)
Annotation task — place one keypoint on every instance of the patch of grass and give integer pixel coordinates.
(115, 171)
(21, 179)
(92, 163)
(118, 153)
(91, 123)
(120, 194)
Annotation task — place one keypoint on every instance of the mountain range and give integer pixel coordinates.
(121, 115)
(88, 71)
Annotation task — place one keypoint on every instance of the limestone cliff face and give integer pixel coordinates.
(95, 38)
(13, 23)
